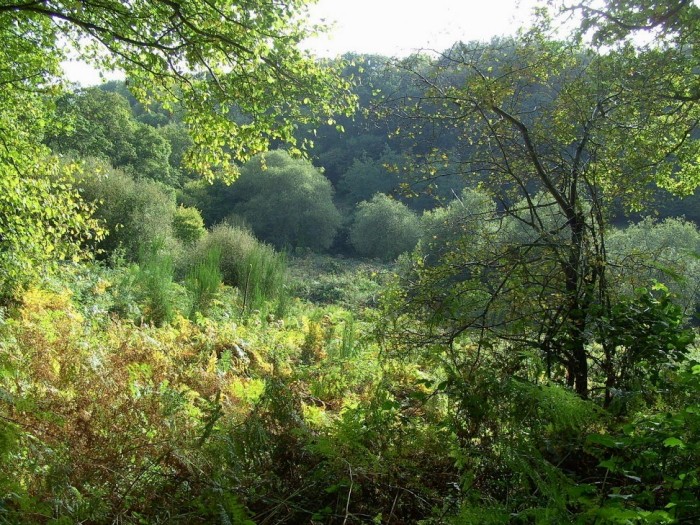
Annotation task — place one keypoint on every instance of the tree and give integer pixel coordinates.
(287, 202)
(367, 176)
(97, 124)
(464, 220)
(384, 228)
(180, 142)
(337, 144)
(621, 20)
(206, 57)
(561, 132)
(665, 252)
(42, 218)
(137, 213)
(153, 156)
(100, 123)
(665, 32)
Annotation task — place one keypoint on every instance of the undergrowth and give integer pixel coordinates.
(220, 413)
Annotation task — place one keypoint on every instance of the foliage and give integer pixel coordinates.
(308, 411)
(106, 426)
(620, 21)
(384, 228)
(555, 173)
(188, 225)
(643, 339)
(204, 280)
(207, 58)
(180, 142)
(463, 221)
(666, 252)
(457, 397)
(153, 156)
(367, 176)
(136, 213)
(286, 201)
(154, 278)
(256, 269)
(42, 218)
(649, 463)
(100, 124)
(352, 284)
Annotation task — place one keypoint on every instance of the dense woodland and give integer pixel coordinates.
(247, 286)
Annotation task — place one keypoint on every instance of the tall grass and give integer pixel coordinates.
(348, 343)
(155, 280)
(264, 277)
(256, 269)
(204, 280)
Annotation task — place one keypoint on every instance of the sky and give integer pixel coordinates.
(400, 27)
(391, 27)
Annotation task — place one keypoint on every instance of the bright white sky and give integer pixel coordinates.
(399, 27)
(393, 27)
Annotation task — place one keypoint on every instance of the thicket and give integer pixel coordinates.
(384, 228)
(309, 416)
(136, 213)
(255, 268)
(287, 202)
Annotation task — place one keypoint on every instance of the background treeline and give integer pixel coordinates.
(319, 204)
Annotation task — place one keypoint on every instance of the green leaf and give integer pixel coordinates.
(602, 439)
(673, 442)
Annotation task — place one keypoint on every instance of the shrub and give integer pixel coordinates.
(288, 202)
(204, 280)
(188, 225)
(664, 251)
(136, 213)
(384, 228)
(255, 268)
(155, 279)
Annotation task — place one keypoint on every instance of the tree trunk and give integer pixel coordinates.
(579, 300)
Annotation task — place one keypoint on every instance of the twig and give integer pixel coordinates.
(347, 503)
(393, 506)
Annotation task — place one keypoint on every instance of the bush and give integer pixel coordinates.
(287, 202)
(658, 251)
(136, 213)
(384, 228)
(255, 268)
(188, 226)
(204, 280)
(155, 279)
